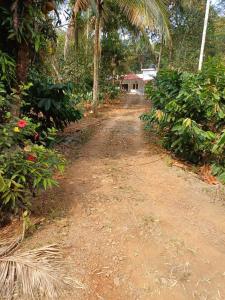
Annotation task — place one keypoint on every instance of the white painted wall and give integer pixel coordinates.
(130, 83)
(149, 74)
(146, 75)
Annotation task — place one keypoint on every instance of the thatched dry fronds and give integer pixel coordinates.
(34, 274)
(10, 245)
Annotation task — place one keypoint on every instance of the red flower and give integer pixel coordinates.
(30, 157)
(22, 123)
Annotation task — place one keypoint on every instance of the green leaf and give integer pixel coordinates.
(2, 183)
(6, 198)
(222, 177)
(37, 43)
(45, 184)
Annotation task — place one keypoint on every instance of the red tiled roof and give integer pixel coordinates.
(131, 77)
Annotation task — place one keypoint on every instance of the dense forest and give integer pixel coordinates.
(59, 59)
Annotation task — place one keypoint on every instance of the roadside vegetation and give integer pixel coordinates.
(188, 109)
(189, 114)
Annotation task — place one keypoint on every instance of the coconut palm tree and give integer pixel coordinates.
(78, 6)
(142, 13)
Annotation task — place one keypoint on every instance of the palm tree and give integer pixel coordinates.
(160, 53)
(142, 13)
(78, 6)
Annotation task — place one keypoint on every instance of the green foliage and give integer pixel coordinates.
(82, 96)
(218, 150)
(189, 112)
(25, 167)
(186, 24)
(8, 96)
(110, 91)
(27, 163)
(114, 54)
(21, 27)
(7, 67)
(219, 171)
(4, 104)
(78, 66)
(167, 87)
(51, 105)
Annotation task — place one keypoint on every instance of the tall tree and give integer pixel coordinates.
(25, 25)
(186, 23)
(141, 13)
(98, 20)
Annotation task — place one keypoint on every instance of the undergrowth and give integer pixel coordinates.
(189, 114)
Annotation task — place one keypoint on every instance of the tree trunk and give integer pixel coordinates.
(22, 67)
(23, 56)
(76, 35)
(69, 34)
(23, 61)
(160, 54)
(204, 35)
(113, 64)
(87, 32)
(58, 76)
(96, 62)
(70, 28)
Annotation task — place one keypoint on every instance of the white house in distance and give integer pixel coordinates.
(135, 83)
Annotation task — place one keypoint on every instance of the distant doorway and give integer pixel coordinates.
(125, 87)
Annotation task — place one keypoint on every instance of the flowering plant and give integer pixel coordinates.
(26, 165)
(16, 132)
(22, 123)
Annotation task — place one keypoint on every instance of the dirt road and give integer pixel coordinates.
(138, 228)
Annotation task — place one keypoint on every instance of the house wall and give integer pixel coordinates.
(131, 84)
(149, 73)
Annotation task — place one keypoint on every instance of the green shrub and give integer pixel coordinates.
(82, 96)
(25, 167)
(189, 112)
(4, 104)
(7, 67)
(110, 91)
(167, 86)
(51, 105)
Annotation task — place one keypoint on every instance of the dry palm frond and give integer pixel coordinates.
(33, 274)
(80, 5)
(9, 245)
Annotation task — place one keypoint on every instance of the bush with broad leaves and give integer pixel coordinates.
(189, 113)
